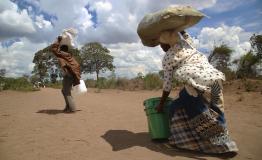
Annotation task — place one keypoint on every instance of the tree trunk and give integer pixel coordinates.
(97, 77)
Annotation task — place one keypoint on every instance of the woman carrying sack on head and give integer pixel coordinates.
(198, 122)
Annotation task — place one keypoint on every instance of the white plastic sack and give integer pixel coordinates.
(80, 89)
(68, 37)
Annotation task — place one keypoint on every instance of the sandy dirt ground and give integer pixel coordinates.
(110, 125)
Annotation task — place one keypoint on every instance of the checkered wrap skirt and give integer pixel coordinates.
(197, 127)
(186, 138)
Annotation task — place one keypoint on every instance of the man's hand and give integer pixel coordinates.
(59, 39)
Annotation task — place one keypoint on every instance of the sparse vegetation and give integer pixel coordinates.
(18, 84)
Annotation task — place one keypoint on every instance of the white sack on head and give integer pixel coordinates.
(151, 26)
(68, 37)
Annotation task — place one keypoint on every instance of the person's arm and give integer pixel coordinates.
(160, 106)
(55, 48)
(167, 86)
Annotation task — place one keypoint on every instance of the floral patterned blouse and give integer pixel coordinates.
(188, 65)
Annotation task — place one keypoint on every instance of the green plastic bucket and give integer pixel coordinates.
(158, 123)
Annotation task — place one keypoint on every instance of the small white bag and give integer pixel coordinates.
(80, 89)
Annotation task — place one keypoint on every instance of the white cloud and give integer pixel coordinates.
(69, 13)
(84, 20)
(132, 58)
(13, 22)
(17, 58)
(234, 36)
(42, 23)
(103, 6)
(203, 4)
(7, 5)
(119, 25)
(117, 20)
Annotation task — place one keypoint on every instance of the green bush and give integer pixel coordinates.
(122, 83)
(90, 83)
(18, 84)
(152, 81)
(111, 83)
(57, 85)
(230, 75)
(102, 83)
(149, 82)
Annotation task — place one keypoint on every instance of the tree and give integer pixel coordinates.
(161, 74)
(220, 57)
(2, 72)
(43, 59)
(248, 64)
(140, 75)
(256, 44)
(96, 58)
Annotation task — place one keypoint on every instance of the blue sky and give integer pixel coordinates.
(244, 14)
(30, 25)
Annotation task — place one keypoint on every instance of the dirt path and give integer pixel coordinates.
(111, 125)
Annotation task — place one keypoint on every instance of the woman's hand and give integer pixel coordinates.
(160, 108)
(182, 32)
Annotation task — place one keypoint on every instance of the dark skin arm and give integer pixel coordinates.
(160, 106)
(55, 48)
(165, 94)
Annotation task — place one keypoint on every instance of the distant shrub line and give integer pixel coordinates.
(18, 84)
(151, 81)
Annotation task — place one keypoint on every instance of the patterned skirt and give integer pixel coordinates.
(199, 126)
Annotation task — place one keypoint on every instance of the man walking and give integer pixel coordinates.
(71, 72)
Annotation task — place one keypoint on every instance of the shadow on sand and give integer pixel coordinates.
(54, 111)
(123, 139)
